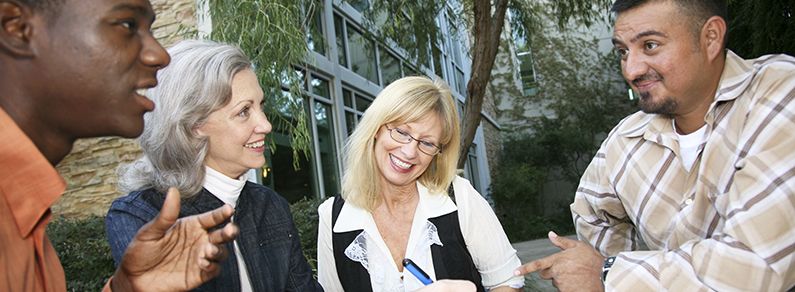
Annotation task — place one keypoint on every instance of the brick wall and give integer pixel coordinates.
(90, 169)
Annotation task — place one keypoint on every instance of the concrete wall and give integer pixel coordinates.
(90, 170)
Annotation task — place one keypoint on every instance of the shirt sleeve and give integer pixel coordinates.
(599, 216)
(492, 253)
(751, 247)
(326, 266)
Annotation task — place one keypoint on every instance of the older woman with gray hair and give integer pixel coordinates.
(402, 203)
(207, 132)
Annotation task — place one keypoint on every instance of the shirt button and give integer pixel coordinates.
(739, 164)
(688, 201)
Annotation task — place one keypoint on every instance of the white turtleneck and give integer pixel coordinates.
(228, 191)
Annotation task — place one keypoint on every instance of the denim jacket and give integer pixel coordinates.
(268, 239)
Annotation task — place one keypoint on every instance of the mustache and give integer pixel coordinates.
(650, 76)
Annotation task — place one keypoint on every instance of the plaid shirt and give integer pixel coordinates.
(726, 224)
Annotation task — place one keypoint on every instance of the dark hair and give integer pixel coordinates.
(698, 11)
(47, 6)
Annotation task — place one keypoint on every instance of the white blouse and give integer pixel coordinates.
(491, 251)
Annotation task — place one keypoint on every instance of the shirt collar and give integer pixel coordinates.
(28, 182)
(431, 205)
(223, 187)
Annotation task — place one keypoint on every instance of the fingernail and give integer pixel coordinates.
(552, 234)
(516, 273)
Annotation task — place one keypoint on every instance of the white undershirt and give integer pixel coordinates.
(688, 145)
(228, 191)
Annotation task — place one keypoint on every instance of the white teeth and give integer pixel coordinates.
(399, 163)
(255, 144)
(141, 91)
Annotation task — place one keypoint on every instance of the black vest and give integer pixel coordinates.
(451, 261)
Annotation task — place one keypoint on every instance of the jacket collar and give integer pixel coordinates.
(28, 182)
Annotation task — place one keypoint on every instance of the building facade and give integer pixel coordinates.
(344, 71)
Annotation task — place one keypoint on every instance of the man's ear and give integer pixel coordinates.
(16, 28)
(713, 34)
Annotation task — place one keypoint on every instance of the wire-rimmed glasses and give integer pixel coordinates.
(402, 137)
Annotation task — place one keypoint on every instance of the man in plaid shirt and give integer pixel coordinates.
(697, 190)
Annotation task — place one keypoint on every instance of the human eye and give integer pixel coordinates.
(427, 145)
(621, 52)
(650, 45)
(129, 24)
(245, 112)
(402, 133)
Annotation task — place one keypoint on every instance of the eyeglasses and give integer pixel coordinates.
(402, 137)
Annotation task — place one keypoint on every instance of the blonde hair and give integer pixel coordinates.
(406, 100)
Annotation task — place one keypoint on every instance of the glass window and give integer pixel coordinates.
(320, 87)
(362, 55)
(293, 184)
(527, 73)
(314, 37)
(460, 82)
(347, 98)
(341, 52)
(362, 102)
(472, 165)
(436, 54)
(350, 122)
(390, 67)
(326, 145)
(359, 5)
(409, 71)
(355, 104)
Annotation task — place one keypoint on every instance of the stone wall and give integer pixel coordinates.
(90, 169)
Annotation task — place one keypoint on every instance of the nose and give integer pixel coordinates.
(410, 149)
(153, 54)
(634, 66)
(263, 125)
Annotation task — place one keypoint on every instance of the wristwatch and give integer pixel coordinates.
(606, 267)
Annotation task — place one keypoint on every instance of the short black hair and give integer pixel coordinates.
(697, 10)
(47, 6)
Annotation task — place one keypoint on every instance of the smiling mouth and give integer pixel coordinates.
(399, 163)
(257, 144)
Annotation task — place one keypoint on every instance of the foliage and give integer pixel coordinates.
(761, 27)
(306, 221)
(413, 25)
(273, 34)
(83, 251)
(580, 96)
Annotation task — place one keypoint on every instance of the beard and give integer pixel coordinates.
(666, 106)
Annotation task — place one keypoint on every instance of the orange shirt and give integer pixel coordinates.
(29, 185)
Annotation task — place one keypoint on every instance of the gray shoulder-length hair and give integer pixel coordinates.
(196, 83)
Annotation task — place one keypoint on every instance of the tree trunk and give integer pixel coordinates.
(486, 31)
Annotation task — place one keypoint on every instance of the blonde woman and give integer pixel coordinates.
(397, 202)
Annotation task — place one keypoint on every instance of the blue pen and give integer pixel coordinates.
(417, 272)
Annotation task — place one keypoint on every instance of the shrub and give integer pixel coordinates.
(83, 250)
(306, 221)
